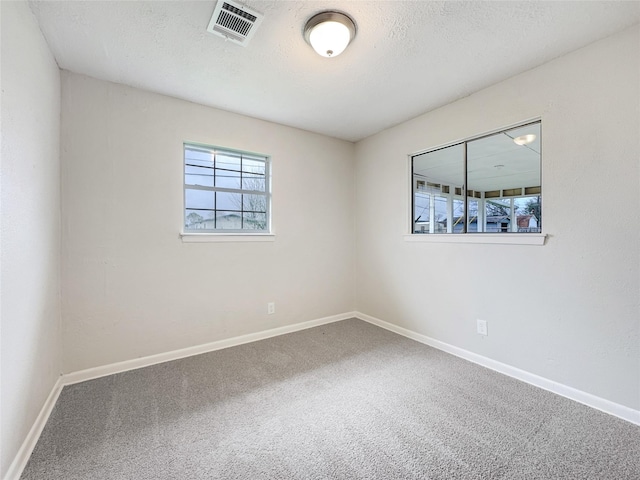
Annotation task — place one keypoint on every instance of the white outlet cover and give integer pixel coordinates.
(482, 327)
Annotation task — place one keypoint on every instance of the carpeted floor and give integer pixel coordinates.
(342, 401)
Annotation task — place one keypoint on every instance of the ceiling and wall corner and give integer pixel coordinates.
(107, 265)
(31, 343)
(130, 286)
(568, 311)
(416, 56)
(407, 58)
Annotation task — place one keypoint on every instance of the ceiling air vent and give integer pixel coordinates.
(234, 22)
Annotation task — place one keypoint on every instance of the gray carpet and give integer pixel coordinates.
(342, 401)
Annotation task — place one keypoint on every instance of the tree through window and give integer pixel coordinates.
(225, 190)
(488, 184)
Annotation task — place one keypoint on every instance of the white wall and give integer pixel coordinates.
(568, 311)
(30, 228)
(130, 287)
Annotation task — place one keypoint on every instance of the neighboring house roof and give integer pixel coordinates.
(523, 221)
(498, 219)
(223, 216)
(489, 219)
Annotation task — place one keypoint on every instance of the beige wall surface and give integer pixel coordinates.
(130, 286)
(569, 310)
(30, 228)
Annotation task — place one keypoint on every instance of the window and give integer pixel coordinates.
(488, 184)
(225, 190)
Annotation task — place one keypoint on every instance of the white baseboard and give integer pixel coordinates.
(91, 373)
(22, 457)
(607, 406)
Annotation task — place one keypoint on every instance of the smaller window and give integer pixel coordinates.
(225, 191)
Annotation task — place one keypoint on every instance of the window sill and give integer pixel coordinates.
(495, 238)
(226, 237)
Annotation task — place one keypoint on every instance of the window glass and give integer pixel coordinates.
(228, 220)
(458, 215)
(202, 176)
(200, 199)
(497, 215)
(199, 219)
(438, 178)
(254, 221)
(225, 190)
(472, 221)
(421, 204)
(497, 177)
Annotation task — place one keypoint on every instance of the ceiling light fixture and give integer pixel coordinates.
(524, 139)
(329, 33)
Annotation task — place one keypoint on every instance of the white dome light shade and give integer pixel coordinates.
(329, 39)
(524, 139)
(329, 33)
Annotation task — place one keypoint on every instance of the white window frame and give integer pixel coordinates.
(226, 234)
(520, 238)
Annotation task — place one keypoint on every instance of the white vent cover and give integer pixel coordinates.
(234, 22)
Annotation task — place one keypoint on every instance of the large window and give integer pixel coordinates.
(225, 190)
(488, 184)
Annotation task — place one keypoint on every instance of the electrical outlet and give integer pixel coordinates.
(271, 308)
(482, 327)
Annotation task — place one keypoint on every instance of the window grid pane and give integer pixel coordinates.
(225, 190)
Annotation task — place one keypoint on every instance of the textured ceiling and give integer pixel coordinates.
(408, 57)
